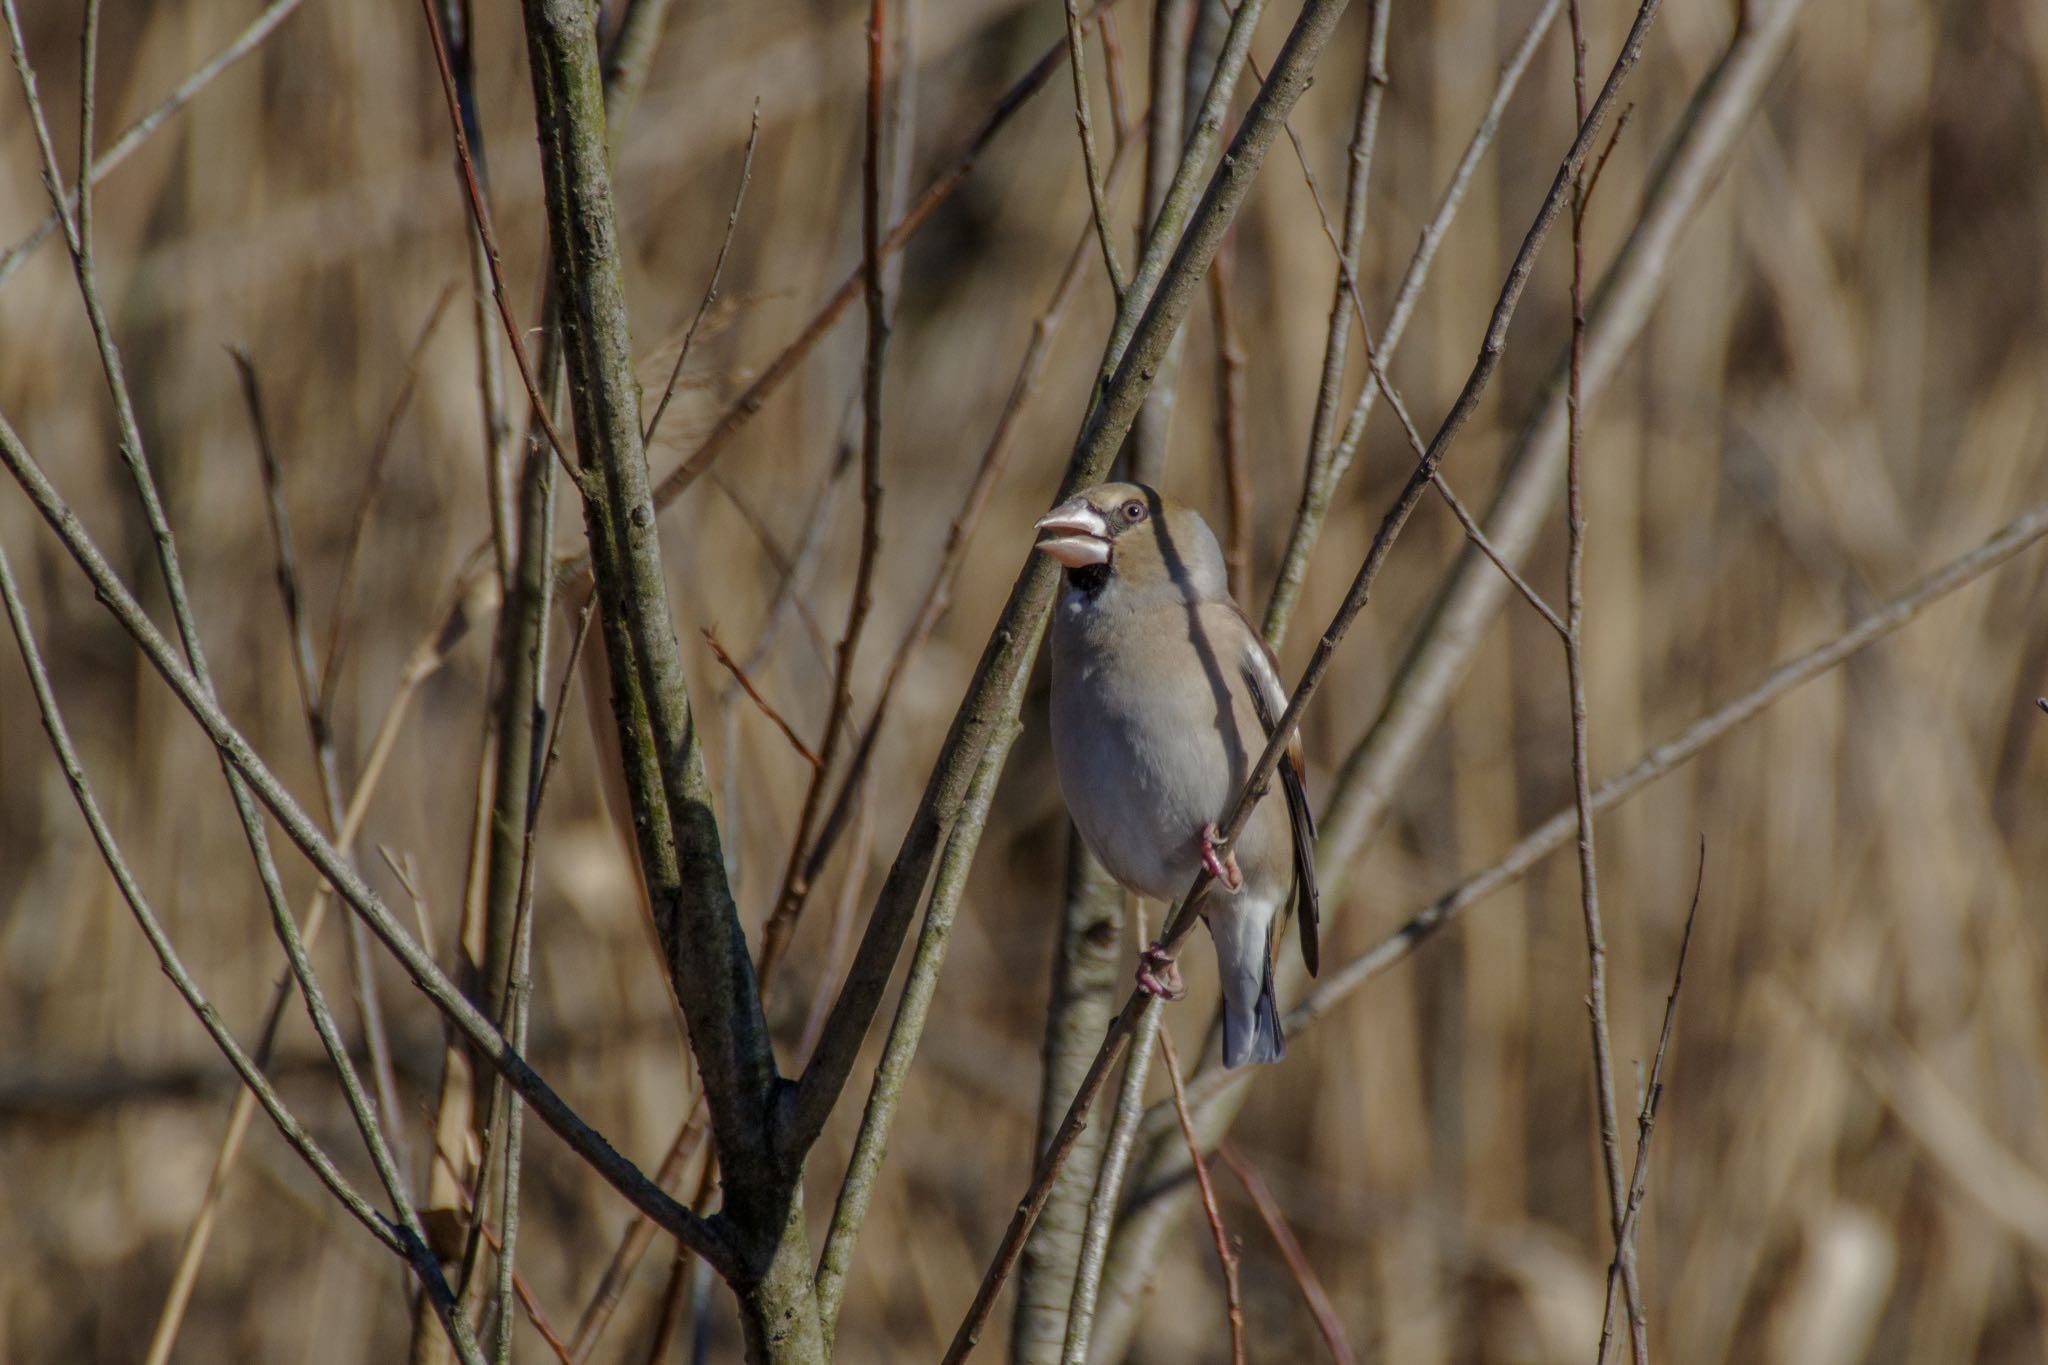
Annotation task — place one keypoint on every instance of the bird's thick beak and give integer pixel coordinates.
(1075, 534)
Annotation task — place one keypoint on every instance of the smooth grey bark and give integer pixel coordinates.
(1086, 974)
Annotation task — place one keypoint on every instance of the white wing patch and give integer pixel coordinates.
(1261, 668)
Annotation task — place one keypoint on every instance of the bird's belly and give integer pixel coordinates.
(1140, 789)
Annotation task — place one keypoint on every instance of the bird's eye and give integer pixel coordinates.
(1133, 511)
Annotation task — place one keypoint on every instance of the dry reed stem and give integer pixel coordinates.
(1231, 439)
(342, 619)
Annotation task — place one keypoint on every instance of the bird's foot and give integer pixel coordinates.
(1159, 974)
(1224, 869)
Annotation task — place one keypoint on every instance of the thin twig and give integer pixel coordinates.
(481, 215)
(739, 675)
(732, 222)
(314, 706)
(1165, 138)
(1328, 1324)
(528, 1301)
(1646, 1116)
(1104, 233)
(789, 898)
(1231, 440)
(1582, 780)
(342, 620)
(1226, 1254)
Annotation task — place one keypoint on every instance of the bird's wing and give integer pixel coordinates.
(1269, 698)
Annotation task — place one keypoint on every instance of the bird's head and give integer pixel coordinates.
(1135, 536)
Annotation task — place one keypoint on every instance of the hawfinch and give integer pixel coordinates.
(1162, 700)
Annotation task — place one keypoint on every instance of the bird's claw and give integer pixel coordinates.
(1159, 974)
(1224, 869)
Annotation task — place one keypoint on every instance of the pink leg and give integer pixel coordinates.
(1225, 869)
(1159, 974)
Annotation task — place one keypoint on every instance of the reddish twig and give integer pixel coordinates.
(481, 213)
(732, 666)
(1305, 1278)
(1226, 1253)
(790, 898)
(633, 1244)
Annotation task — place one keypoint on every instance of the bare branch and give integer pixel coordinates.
(1646, 1117)
(1226, 1254)
(1305, 1278)
(732, 222)
(1091, 163)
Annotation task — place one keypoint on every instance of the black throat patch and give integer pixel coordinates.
(1089, 580)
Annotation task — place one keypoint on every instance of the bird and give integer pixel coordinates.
(1163, 698)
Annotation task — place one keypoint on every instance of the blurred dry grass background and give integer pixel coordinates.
(1846, 383)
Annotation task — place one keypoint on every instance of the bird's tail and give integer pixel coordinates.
(1251, 1026)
